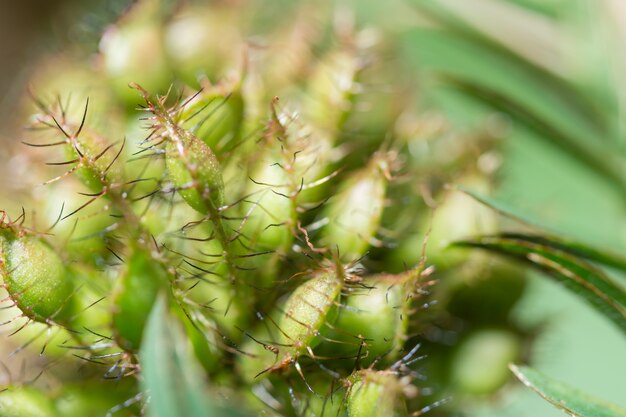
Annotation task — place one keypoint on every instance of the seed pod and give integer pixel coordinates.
(215, 116)
(25, 402)
(378, 393)
(35, 277)
(330, 405)
(202, 340)
(332, 88)
(92, 398)
(133, 51)
(195, 171)
(306, 311)
(98, 169)
(281, 179)
(373, 319)
(133, 297)
(80, 232)
(458, 217)
(354, 213)
(480, 365)
(269, 223)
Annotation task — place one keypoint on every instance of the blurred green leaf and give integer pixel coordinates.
(457, 57)
(169, 375)
(570, 400)
(577, 275)
(601, 256)
(574, 248)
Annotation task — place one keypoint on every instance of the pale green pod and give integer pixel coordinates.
(98, 165)
(94, 398)
(195, 171)
(329, 405)
(331, 89)
(81, 231)
(458, 217)
(480, 366)
(300, 321)
(215, 116)
(134, 295)
(377, 393)
(307, 310)
(35, 277)
(354, 213)
(270, 215)
(25, 402)
(373, 320)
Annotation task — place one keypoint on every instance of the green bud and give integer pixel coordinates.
(480, 365)
(35, 277)
(195, 171)
(98, 170)
(25, 402)
(354, 213)
(378, 393)
(306, 311)
(331, 89)
(133, 297)
(458, 216)
(372, 320)
(215, 116)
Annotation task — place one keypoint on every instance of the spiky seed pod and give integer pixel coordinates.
(195, 171)
(378, 393)
(332, 87)
(300, 321)
(354, 213)
(373, 319)
(216, 115)
(35, 277)
(306, 311)
(271, 217)
(202, 339)
(95, 158)
(134, 295)
(25, 402)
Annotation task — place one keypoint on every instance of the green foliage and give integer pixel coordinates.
(570, 400)
(241, 254)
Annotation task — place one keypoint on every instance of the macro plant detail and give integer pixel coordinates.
(227, 216)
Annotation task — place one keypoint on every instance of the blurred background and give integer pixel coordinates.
(542, 77)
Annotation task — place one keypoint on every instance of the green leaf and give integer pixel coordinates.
(579, 249)
(568, 399)
(462, 59)
(502, 208)
(169, 375)
(577, 275)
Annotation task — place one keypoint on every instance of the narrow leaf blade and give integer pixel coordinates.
(577, 275)
(564, 397)
(169, 375)
(601, 256)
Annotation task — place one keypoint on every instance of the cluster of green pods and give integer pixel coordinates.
(270, 210)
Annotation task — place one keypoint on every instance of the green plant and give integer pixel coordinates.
(237, 253)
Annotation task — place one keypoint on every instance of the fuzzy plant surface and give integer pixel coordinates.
(240, 217)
